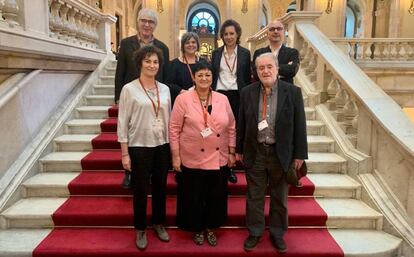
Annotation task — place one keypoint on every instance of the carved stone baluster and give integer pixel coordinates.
(393, 50)
(65, 23)
(410, 50)
(402, 52)
(332, 90)
(308, 54)
(10, 11)
(368, 52)
(340, 100)
(84, 32)
(78, 22)
(350, 111)
(95, 32)
(352, 47)
(311, 65)
(313, 74)
(360, 50)
(386, 51)
(377, 51)
(1, 10)
(72, 25)
(303, 50)
(57, 22)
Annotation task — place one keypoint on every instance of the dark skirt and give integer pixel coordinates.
(201, 199)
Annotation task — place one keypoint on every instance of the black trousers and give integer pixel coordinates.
(201, 199)
(234, 99)
(149, 168)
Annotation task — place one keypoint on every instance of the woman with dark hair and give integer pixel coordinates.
(180, 75)
(202, 140)
(231, 69)
(144, 113)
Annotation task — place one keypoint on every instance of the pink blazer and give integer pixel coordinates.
(186, 124)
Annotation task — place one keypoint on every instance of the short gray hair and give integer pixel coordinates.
(268, 54)
(147, 12)
(187, 36)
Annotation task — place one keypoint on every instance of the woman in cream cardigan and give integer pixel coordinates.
(202, 141)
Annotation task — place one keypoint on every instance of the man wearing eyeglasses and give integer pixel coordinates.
(288, 57)
(126, 69)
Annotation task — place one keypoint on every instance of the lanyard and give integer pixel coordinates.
(264, 107)
(227, 63)
(189, 69)
(156, 109)
(205, 108)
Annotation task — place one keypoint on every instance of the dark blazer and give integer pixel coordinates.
(286, 55)
(126, 68)
(291, 141)
(243, 71)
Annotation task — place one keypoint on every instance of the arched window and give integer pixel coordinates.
(291, 7)
(201, 20)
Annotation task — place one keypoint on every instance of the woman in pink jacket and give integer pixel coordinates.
(202, 141)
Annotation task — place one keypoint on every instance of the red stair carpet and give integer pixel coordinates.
(96, 219)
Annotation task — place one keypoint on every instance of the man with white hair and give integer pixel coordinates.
(126, 69)
(271, 136)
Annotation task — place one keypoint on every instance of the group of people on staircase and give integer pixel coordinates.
(204, 117)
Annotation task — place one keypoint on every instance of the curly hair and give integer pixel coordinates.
(145, 52)
(236, 26)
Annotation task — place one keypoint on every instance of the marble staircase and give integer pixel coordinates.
(355, 226)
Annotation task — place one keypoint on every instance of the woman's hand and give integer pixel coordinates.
(126, 162)
(176, 163)
(231, 161)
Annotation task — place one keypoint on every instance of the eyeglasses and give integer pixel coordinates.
(272, 29)
(145, 21)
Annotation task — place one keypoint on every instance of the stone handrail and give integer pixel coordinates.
(257, 40)
(377, 49)
(370, 120)
(54, 25)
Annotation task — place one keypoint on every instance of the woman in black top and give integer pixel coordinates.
(180, 75)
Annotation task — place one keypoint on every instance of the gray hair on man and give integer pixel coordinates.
(148, 13)
(270, 55)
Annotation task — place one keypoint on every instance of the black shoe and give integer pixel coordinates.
(279, 244)
(251, 242)
(231, 176)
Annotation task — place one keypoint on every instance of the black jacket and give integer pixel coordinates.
(243, 71)
(286, 55)
(126, 68)
(291, 141)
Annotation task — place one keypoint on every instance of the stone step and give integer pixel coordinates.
(310, 113)
(55, 184)
(104, 89)
(36, 212)
(62, 161)
(110, 71)
(315, 127)
(107, 79)
(100, 100)
(70, 161)
(74, 142)
(320, 144)
(92, 112)
(84, 126)
(326, 163)
(82, 142)
(370, 243)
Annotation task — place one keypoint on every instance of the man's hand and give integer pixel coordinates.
(298, 163)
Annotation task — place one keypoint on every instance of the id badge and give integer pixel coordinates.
(158, 128)
(262, 125)
(206, 132)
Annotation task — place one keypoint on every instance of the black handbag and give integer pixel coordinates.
(127, 183)
(293, 175)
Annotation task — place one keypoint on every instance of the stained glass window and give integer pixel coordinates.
(203, 21)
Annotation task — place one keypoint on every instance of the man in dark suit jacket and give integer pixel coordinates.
(271, 135)
(126, 69)
(287, 57)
